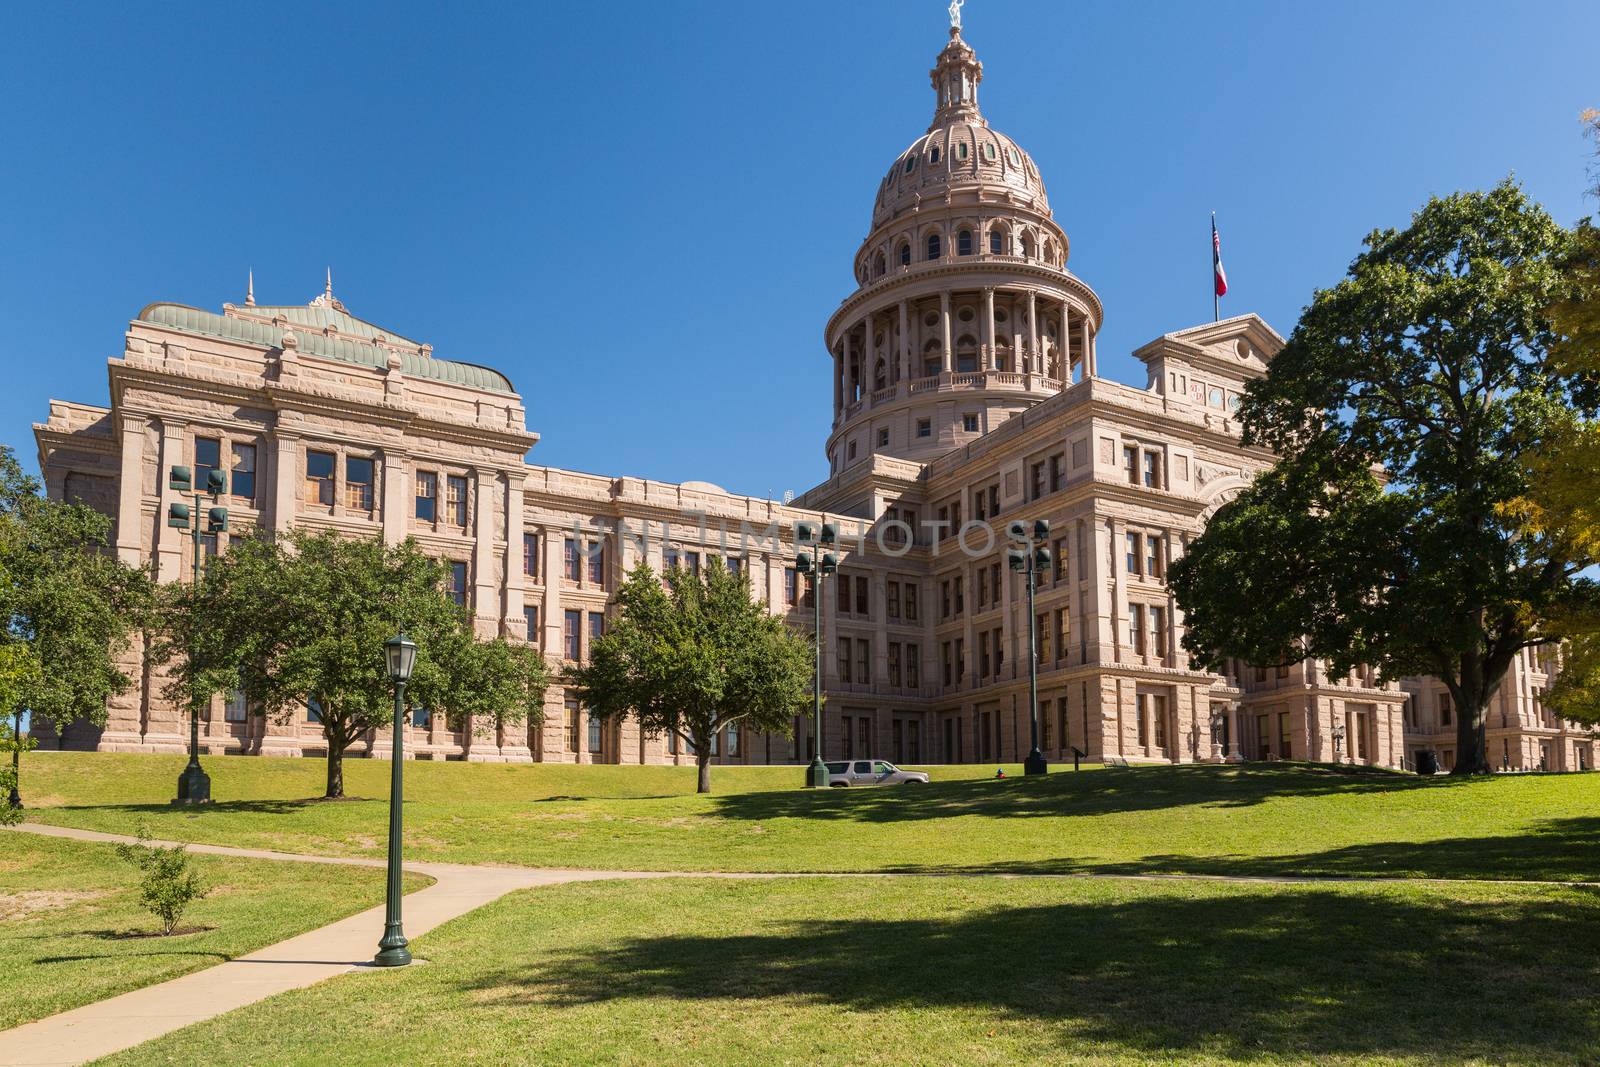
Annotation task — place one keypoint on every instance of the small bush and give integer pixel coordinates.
(169, 886)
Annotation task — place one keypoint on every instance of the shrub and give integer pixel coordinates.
(169, 886)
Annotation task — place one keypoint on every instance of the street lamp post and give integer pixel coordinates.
(1028, 557)
(816, 565)
(194, 785)
(15, 800)
(1338, 742)
(400, 656)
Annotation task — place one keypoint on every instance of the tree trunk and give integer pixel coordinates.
(703, 763)
(1480, 677)
(336, 746)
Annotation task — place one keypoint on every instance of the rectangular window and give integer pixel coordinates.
(1060, 560)
(1142, 703)
(1130, 463)
(427, 495)
(597, 626)
(983, 654)
(530, 555)
(733, 740)
(791, 586)
(456, 500)
(421, 717)
(1036, 483)
(207, 458)
(570, 637)
(841, 601)
(596, 735)
(961, 659)
(597, 566)
(735, 567)
(243, 481)
(313, 711)
(1285, 750)
(530, 619)
(999, 653)
(1152, 556)
(1057, 474)
(1444, 709)
(1063, 631)
(1045, 739)
(847, 735)
(863, 592)
(1132, 556)
(1158, 717)
(863, 660)
(891, 602)
(458, 582)
(237, 707)
(969, 423)
(911, 603)
(573, 712)
(1152, 470)
(913, 666)
(1136, 628)
(961, 602)
(894, 664)
(924, 427)
(358, 475)
(1041, 636)
(573, 567)
(944, 600)
(983, 586)
(1158, 631)
(844, 659)
(319, 478)
(944, 654)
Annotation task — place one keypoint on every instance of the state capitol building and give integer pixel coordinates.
(965, 395)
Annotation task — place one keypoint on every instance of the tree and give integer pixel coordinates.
(168, 886)
(68, 606)
(691, 656)
(1562, 503)
(300, 623)
(1401, 409)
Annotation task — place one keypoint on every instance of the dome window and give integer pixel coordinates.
(933, 156)
(878, 266)
(905, 254)
(997, 243)
(911, 163)
(961, 150)
(964, 243)
(1011, 154)
(933, 246)
(989, 153)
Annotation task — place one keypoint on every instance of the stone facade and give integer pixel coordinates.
(966, 395)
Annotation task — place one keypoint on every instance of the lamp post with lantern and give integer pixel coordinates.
(1027, 556)
(816, 564)
(400, 656)
(1338, 742)
(194, 785)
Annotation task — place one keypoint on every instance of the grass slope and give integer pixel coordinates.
(1263, 819)
(969, 971)
(66, 908)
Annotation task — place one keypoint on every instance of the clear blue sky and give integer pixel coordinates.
(644, 213)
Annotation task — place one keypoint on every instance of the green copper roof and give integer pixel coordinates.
(310, 321)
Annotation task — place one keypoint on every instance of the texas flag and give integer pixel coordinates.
(1221, 276)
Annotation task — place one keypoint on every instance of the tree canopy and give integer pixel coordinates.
(68, 607)
(301, 621)
(1401, 409)
(693, 654)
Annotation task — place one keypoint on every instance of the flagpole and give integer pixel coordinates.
(1216, 301)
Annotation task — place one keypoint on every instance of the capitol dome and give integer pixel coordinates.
(960, 152)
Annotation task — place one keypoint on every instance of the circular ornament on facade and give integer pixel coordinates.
(966, 314)
(931, 319)
(1000, 315)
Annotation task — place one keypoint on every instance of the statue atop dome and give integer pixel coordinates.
(955, 13)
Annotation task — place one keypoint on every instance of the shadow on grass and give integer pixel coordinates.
(221, 956)
(1281, 972)
(1556, 850)
(1075, 793)
(223, 807)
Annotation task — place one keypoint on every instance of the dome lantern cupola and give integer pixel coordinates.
(955, 81)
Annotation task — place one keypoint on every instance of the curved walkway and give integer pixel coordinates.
(121, 1022)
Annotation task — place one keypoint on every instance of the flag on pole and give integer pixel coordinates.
(1220, 275)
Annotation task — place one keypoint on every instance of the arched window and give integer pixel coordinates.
(911, 162)
(932, 358)
(964, 243)
(988, 151)
(1027, 246)
(997, 243)
(878, 266)
(933, 246)
(933, 156)
(967, 353)
(961, 151)
(905, 254)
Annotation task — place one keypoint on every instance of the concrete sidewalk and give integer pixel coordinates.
(96, 1030)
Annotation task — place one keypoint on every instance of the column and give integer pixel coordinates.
(944, 323)
(851, 360)
(1089, 368)
(130, 492)
(988, 328)
(285, 492)
(905, 342)
(838, 383)
(1033, 363)
(869, 363)
(486, 599)
(396, 513)
(173, 547)
(1016, 333)
(880, 641)
(1235, 724)
(1065, 334)
(515, 578)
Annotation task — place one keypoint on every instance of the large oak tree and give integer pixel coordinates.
(691, 655)
(300, 622)
(1403, 407)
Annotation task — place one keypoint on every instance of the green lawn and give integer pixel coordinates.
(958, 971)
(67, 909)
(1272, 819)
